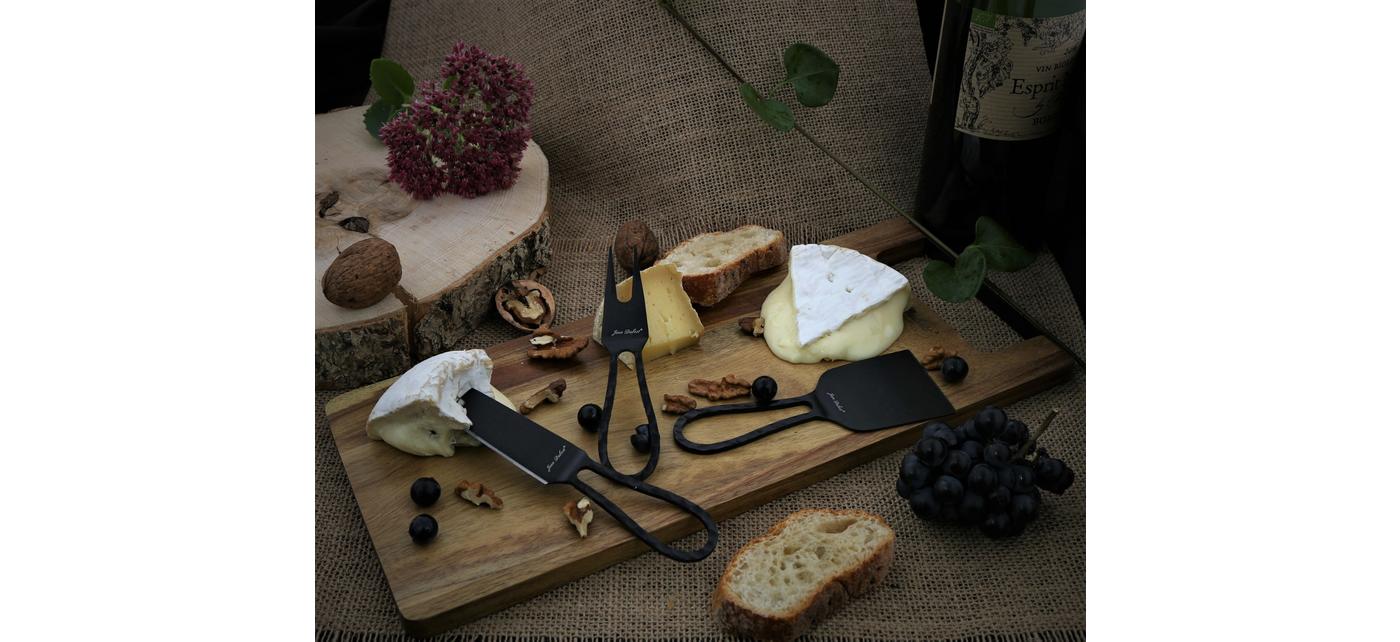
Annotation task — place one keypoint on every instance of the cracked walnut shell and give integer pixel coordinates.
(525, 304)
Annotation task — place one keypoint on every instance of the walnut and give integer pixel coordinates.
(546, 344)
(677, 404)
(478, 494)
(933, 359)
(752, 325)
(362, 274)
(635, 246)
(579, 513)
(550, 393)
(727, 388)
(525, 304)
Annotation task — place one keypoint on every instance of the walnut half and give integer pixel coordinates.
(579, 513)
(727, 388)
(478, 494)
(545, 344)
(677, 404)
(550, 393)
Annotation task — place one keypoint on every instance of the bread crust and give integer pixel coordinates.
(713, 286)
(836, 593)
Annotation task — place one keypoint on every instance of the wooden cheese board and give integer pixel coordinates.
(485, 560)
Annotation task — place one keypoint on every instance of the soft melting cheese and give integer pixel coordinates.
(835, 304)
(832, 285)
(420, 413)
(672, 323)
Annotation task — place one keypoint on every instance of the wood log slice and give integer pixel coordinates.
(455, 252)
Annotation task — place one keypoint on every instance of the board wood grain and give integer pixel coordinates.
(485, 560)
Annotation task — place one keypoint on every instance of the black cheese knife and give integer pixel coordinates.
(877, 393)
(551, 459)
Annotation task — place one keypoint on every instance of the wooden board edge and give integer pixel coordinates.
(420, 304)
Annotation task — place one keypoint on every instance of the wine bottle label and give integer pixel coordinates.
(1014, 74)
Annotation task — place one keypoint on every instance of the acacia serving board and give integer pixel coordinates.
(485, 560)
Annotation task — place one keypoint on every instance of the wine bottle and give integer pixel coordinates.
(999, 68)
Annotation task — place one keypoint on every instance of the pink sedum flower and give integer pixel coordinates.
(464, 134)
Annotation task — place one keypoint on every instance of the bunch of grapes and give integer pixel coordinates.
(980, 474)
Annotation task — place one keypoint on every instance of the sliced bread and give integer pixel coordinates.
(806, 567)
(712, 265)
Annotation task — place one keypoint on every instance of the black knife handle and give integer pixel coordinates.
(711, 530)
(748, 437)
(653, 433)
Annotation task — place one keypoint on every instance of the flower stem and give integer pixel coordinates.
(938, 243)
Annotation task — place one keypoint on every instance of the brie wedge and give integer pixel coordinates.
(835, 304)
(832, 285)
(420, 413)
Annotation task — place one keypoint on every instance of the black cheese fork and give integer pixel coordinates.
(625, 330)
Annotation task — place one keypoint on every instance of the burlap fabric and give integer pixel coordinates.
(638, 122)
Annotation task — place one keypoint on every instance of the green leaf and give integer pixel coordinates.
(812, 74)
(391, 81)
(1003, 253)
(958, 282)
(382, 111)
(773, 112)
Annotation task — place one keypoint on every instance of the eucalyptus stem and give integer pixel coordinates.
(947, 251)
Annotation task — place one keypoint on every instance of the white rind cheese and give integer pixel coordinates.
(420, 413)
(832, 285)
(866, 335)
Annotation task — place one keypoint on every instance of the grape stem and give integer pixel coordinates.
(1040, 430)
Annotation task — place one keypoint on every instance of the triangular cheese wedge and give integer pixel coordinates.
(830, 285)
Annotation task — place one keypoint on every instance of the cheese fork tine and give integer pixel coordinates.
(624, 329)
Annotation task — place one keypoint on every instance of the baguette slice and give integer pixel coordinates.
(712, 265)
(805, 568)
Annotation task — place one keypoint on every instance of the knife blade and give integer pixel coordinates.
(551, 459)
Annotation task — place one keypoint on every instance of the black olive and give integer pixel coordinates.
(589, 416)
(641, 439)
(764, 389)
(954, 369)
(425, 491)
(422, 529)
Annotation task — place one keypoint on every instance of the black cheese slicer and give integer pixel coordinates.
(877, 393)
